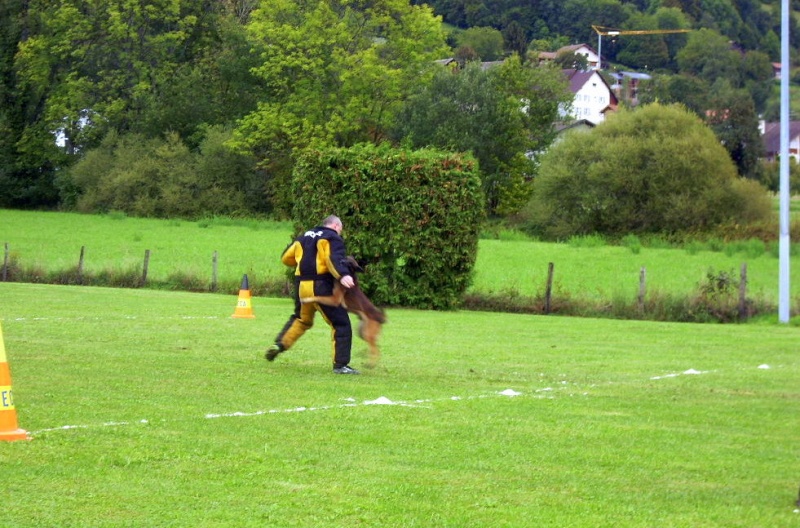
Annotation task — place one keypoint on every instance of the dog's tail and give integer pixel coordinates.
(376, 314)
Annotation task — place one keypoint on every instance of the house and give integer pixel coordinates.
(626, 87)
(776, 70)
(450, 63)
(771, 136)
(578, 49)
(593, 96)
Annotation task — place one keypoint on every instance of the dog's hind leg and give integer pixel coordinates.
(368, 330)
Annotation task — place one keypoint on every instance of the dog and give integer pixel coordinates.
(371, 318)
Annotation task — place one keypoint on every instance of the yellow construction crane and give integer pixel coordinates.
(602, 30)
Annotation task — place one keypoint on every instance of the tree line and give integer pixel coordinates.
(197, 107)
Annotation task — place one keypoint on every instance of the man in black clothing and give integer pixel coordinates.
(318, 256)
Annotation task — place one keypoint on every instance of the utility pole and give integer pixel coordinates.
(784, 295)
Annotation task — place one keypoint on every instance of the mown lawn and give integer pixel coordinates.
(112, 243)
(156, 408)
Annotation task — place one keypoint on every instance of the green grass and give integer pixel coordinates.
(607, 271)
(610, 427)
(114, 242)
(181, 252)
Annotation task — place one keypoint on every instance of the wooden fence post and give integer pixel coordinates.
(5, 264)
(642, 288)
(146, 265)
(214, 272)
(743, 293)
(80, 265)
(548, 293)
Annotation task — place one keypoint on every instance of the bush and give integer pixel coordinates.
(656, 169)
(633, 243)
(717, 299)
(413, 216)
(163, 178)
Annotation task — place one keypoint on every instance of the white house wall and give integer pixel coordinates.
(591, 100)
(589, 53)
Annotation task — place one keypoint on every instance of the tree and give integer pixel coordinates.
(85, 68)
(733, 119)
(487, 42)
(720, 15)
(708, 55)
(690, 91)
(334, 73)
(569, 60)
(501, 115)
(578, 16)
(655, 169)
(655, 51)
(162, 177)
(100, 64)
(28, 156)
(758, 77)
(515, 38)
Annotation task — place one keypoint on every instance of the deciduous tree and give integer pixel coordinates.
(502, 115)
(335, 73)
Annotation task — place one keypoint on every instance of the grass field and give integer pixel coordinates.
(155, 408)
(52, 241)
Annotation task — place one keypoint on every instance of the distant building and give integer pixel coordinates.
(593, 97)
(776, 70)
(578, 49)
(771, 136)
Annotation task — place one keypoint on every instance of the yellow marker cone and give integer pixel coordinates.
(9, 430)
(244, 309)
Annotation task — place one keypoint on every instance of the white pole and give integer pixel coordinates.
(784, 242)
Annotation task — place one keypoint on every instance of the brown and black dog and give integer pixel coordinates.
(356, 301)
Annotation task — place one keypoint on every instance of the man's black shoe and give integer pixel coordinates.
(345, 370)
(272, 352)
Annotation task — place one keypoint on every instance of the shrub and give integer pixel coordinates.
(656, 169)
(633, 243)
(587, 241)
(717, 298)
(414, 216)
(163, 178)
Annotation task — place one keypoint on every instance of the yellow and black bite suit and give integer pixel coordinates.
(318, 256)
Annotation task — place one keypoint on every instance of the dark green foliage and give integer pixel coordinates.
(164, 178)
(657, 169)
(735, 123)
(717, 299)
(413, 216)
(480, 111)
(771, 175)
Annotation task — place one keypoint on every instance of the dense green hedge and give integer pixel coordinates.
(413, 216)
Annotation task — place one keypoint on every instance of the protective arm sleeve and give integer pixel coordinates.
(290, 256)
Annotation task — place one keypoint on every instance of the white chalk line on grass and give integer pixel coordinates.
(79, 318)
(382, 400)
(693, 372)
(349, 402)
(68, 427)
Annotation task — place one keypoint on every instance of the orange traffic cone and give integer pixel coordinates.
(9, 430)
(243, 307)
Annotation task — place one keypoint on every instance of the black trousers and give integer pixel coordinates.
(303, 318)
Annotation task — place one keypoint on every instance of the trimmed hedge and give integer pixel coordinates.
(412, 216)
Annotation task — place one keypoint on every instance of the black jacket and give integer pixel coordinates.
(318, 256)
